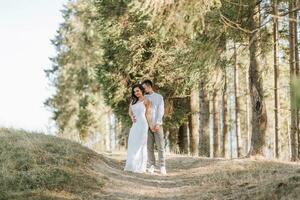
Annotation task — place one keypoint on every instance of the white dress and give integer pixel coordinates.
(137, 142)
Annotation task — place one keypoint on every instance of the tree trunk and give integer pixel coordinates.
(248, 112)
(204, 122)
(173, 140)
(112, 131)
(258, 108)
(194, 120)
(237, 118)
(213, 126)
(218, 119)
(183, 139)
(297, 2)
(276, 67)
(232, 135)
(297, 74)
(223, 120)
(119, 140)
(292, 41)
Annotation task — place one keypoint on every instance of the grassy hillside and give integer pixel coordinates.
(39, 167)
(36, 166)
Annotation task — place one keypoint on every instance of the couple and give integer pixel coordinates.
(146, 112)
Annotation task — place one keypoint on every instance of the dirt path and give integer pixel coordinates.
(200, 178)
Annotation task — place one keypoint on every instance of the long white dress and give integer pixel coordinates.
(137, 142)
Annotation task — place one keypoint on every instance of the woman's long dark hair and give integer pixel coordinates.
(133, 97)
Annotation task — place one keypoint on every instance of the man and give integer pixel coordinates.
(156, 135)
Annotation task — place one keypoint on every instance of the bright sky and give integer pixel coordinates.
(26, 27)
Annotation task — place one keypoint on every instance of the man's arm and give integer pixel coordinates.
(160, 112)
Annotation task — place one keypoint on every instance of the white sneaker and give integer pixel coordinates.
(151, 169)
(163, 171)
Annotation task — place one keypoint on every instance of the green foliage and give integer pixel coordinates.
(134, 50)
(74, 71)
(110, 45)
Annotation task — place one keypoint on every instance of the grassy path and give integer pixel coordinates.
(39, 167)
(200, 178)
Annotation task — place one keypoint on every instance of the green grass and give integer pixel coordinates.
(37, 166)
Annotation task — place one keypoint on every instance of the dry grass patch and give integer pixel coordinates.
(36, 166)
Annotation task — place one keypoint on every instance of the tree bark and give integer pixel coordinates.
(258, 108)
(231, 138)
(213, 126)
(276, 67)
(223, 129)
(237, 119)
(173, 140)
(204, 122)
(297, 3)
(297, 74)
(183, 138)
(292, 44)
(194, 120)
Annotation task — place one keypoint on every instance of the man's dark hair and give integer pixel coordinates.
(148, 82)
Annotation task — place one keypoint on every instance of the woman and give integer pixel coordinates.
(140, 113)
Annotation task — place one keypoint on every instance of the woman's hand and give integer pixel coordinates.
(133, 119)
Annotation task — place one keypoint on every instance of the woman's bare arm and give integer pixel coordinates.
(148, 113)
(131, 113)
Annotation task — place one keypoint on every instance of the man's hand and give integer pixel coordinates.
(152, 129)
(156, 128)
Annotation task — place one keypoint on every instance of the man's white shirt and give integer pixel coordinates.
(157, 107)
